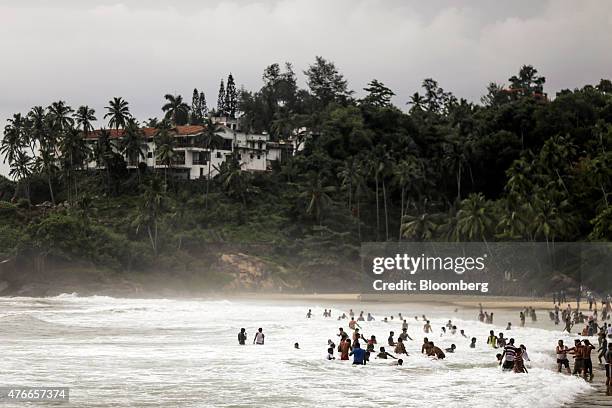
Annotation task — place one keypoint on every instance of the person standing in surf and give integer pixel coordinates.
(344, 348)
(242, 336)
(259, 337)
(608, 360)
(562, 360)
(359, 355)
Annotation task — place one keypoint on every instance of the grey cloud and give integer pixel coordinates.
(85, 52)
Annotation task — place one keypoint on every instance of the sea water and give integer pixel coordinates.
(184, 353)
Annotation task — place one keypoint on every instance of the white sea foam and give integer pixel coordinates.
(149, 352)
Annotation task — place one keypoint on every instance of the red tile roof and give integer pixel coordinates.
(186, 130)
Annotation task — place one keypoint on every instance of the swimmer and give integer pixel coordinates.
(451, 349)
(435, 351)
(473, 343)
(501, 340)
(370, 317)
(425, 347)
(330, 354)
(462, 332)
(509, 326)
(344, 348)
(399, 347)
(259, 337)
(371, 343)
(427, 327)
(296, 346)
(492, 339)
(242, 336)
(405, 325)
(359, 354)
(586, 357)
(390, 340)
(331, 344)
(353, 323)
(399, 362)
(525, 355)
(519, 366)
(454, 330)
(405, 335)
(384, 354)
(309, 314)
(342, 334)
(509, 353)
(608, 360)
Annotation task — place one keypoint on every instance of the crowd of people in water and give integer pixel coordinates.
(353, 344)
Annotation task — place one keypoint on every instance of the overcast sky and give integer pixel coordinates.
(85, 52)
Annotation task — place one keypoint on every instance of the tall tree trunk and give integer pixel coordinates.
(208, 179)
(386, 213)
(401, 214)
(50, 187)
(377, 209)
(459, 182)
(358, 219)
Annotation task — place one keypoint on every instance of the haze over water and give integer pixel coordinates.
(184, 353)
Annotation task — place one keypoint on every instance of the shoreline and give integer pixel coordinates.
(463, 301)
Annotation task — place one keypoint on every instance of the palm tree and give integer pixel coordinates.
(456, 157)
(60, 116)
(102, 154)
(75, 152)
(475, 218)
(175, 109)
(417, 102)
(347, 176)
(379, 163)
(164, 149)
(406, 172)
(318, 197)
(45, 163)
(42, 134)
(118, 111)
(420, 227)
(39, 126)
(211, 141)
(13, 140)
(234, 180)
(152, 207)
(131, 143)
(84, 117)
(360, 185)
(21, 169)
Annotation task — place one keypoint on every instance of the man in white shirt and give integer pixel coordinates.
(259, 337)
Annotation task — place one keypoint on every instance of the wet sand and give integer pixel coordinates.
(488, 302)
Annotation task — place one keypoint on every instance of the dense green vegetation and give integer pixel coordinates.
(517, 166)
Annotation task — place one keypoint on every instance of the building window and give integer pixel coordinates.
(258, 156)
(149, 155)
(251, 156)
(239, 157)
(218, 155)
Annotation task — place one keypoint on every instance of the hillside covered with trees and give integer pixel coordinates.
(518, 166)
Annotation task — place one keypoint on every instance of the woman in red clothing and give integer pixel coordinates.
(344, 348)
(519, 365)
